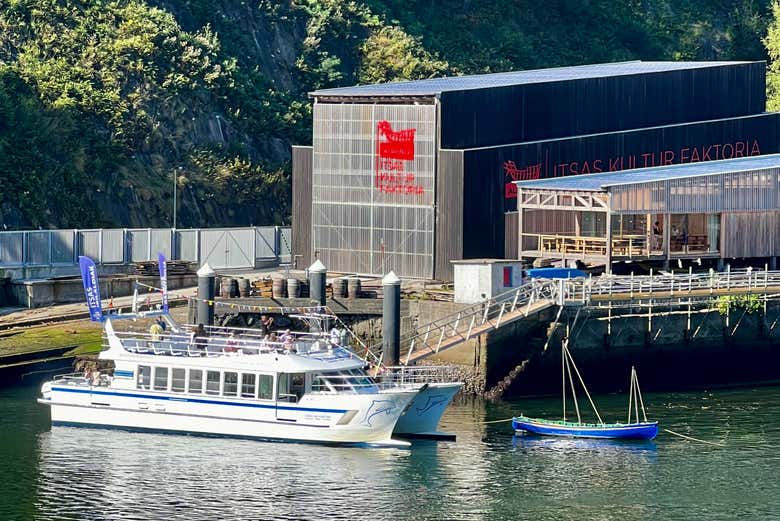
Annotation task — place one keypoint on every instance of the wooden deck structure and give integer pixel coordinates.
(718, 209)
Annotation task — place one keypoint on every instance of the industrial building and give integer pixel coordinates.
(410, 176)
(714, 210)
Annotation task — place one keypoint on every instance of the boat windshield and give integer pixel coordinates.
(353, 381)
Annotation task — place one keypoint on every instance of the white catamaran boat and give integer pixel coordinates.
(231, 381)
(229, 385)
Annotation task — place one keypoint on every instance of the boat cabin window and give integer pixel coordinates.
(248, 385)
(178, 376)
(196, 381)
(290, 387)
(212, 382)
(160, 378)
(144, 377)
(230, 384)
(265, 387)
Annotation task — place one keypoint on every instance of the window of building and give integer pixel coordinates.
(160, 378)
(144, 377)
(178, 375)
(196, 381)
(230, 384)
(212, 382)
(248, 385)
(265, 387)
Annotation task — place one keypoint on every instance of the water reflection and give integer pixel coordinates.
(74, 473)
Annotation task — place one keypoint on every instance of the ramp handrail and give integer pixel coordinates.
(431, 336)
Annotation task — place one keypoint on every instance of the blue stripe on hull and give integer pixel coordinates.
(194, 400)
(636, 431)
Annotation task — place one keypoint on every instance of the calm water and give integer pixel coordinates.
(69, 473)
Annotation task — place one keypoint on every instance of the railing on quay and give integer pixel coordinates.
(221, 247)
(538, 294)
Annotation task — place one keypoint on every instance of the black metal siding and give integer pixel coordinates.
(301, 204)
(449, 213)
(494, 116)
(485, 176)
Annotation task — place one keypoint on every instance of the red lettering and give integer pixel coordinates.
(730, 153)
(585, 168)
(754, 150)
(695, 155)
(646, 157)
(684, 155)
(717, 151)
(706, 155)
(573, 168)
(597, 165)
(668, 157)
(739, 149)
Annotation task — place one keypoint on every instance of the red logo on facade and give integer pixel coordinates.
(393, 148)
(512, 173)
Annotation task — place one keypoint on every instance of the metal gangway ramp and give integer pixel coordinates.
(451, 330)
(538, 295)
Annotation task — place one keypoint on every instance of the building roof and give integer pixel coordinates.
(600, 182)
(435, 86)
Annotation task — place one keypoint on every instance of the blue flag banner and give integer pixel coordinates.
(89, 277)
(163, 281)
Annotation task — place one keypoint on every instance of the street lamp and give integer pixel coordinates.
(176, 174)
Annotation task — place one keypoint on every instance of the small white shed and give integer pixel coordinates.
(478, 279)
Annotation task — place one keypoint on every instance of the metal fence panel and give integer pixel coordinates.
(228, 248)
(62, 246)
(187, 245)
(225, 248)
(137, 244)
(11, 248)
(161, 243)
(265, 242)
(113, 247)
(285, 244)
(37, 248)
(89, 244)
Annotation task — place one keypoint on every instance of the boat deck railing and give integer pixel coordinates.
(416, 374)
(188, 344)
(82, 379)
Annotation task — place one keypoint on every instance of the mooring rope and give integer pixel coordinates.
(691, 438)
(495, 421)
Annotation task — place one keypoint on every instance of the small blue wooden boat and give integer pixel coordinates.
(624, 431)
(633, 429)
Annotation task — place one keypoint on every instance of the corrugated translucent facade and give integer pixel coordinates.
(729, 191)
(373, 181)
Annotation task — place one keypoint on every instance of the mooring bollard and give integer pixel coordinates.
(206, 278)
(317, 274)
(391, 320)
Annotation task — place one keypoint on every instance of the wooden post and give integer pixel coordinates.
(608, 267)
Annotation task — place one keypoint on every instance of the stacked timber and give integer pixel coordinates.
(263, 287)
(152, 269)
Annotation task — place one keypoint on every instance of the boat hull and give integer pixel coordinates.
(358, 419)
(632, 431)
(422, 416)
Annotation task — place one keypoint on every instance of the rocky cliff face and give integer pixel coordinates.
(104, 104)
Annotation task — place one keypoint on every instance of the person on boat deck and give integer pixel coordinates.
(266, 324)
(201, 337)
(155, 330)
(231, 345)
(162, 323)
(335, 336)
(287, 339)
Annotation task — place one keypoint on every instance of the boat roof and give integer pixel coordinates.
(335, 360)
